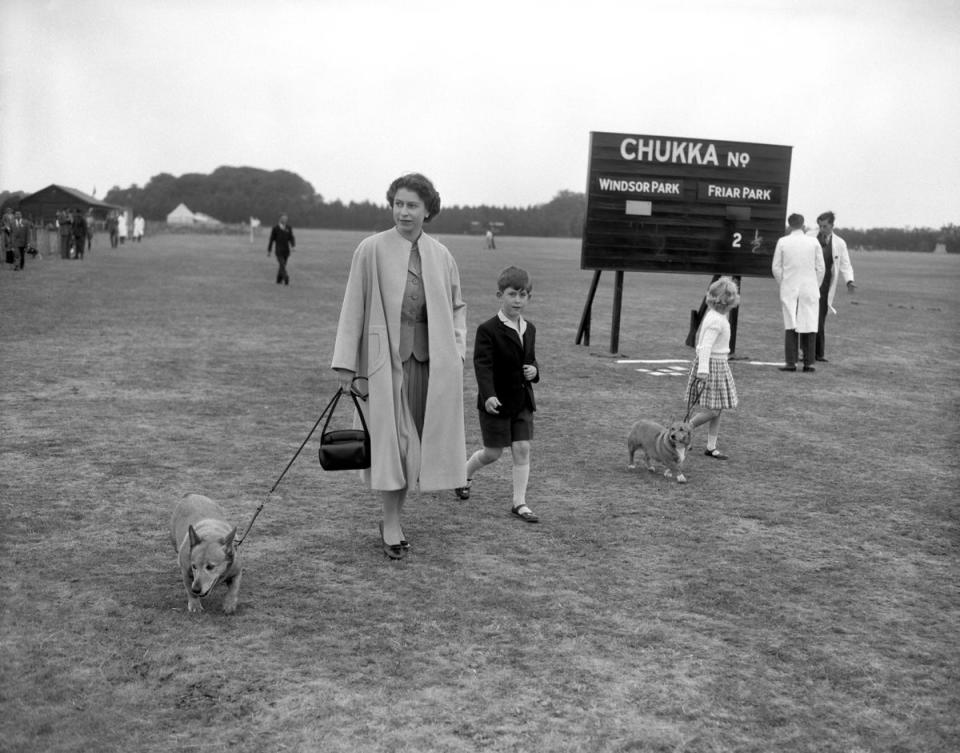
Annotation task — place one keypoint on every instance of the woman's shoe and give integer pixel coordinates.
(715, 454)
(393, 551)
(463, 492)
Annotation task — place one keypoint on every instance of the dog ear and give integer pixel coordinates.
(228, 541)
(194, 539)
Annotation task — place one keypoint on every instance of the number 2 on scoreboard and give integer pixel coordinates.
(737, 237)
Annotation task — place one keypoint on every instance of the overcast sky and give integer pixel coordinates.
(492, 99)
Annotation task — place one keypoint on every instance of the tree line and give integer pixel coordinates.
(235, 194)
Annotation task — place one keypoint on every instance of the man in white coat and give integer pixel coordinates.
(836, 258)
(798, 268)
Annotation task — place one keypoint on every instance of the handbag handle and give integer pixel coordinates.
(353, 395)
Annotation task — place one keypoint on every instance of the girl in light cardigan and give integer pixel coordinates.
(710, 378)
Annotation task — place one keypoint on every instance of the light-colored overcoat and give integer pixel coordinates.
(798, 268)
(841, 266)
(368, 337)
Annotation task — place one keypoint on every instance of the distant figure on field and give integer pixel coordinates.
(65, 229)
(20, 235)
(139, 225)
(6, 238)
(79, 233)
(112, 228)
(281, 236)
(835, 259)
(122, 227)
(491, 243)
(91, 228)
(798, 268)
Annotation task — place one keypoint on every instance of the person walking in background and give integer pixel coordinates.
(798, 268)
(836, 259)
(122, 227)
(403, 326)
(20, 235)
(281, 236)
(139, 226)
(710, 384)
(91, 224)
(505, 363)
(6, 239)
(65, 229)
(113, 224)
(79, 227)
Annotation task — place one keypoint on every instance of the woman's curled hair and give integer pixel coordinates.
(423, 187)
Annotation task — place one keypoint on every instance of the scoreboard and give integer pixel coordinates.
(670, 204)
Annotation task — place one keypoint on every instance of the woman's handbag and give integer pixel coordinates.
(344, 449)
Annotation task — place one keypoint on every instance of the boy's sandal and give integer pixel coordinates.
(525, 513)
(715, 454)
(463, 492)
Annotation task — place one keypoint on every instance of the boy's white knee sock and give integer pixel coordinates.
(521, 475)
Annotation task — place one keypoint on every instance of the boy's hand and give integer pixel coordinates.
(529, 372)
(492, 405)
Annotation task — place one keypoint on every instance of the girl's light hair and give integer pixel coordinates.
(722, 295)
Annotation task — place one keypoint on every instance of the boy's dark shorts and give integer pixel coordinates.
(502, 431)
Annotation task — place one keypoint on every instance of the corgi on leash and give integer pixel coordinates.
(207, 551)
(667, 445)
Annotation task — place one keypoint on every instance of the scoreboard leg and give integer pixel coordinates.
(617, 307)
(583, 331)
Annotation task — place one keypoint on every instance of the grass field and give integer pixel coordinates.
(801, 597)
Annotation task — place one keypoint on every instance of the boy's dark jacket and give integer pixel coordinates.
(498, 360)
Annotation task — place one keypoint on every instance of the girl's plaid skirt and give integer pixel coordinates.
(720, 390)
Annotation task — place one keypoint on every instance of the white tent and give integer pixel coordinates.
(183, 216)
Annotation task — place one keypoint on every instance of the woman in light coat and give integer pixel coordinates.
(403, 327)
(798, 267)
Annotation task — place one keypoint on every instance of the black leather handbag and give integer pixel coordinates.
(344, 449)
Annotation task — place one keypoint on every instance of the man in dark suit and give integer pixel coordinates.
(281, 236)
(20, 235)
(79, 233)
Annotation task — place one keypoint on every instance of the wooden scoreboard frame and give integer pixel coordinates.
(671, 204)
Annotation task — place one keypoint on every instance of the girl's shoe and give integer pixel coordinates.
(715, 454)
(463, 492)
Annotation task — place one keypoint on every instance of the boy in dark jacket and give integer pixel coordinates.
(505, 363)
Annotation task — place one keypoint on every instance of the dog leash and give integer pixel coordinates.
(296, 455)
(691, 404)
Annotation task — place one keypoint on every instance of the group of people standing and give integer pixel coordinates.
(74, 229)
(807, 268)
(118, 228)
(76, 232)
